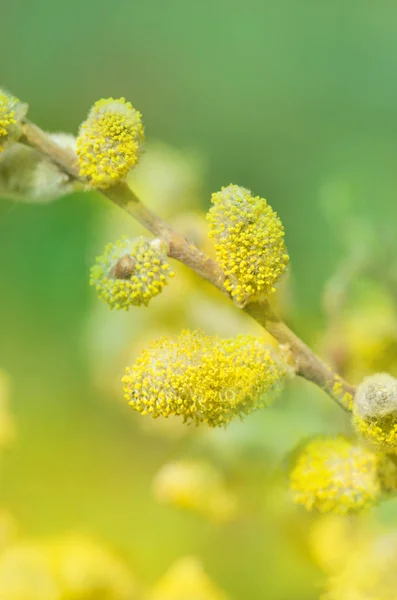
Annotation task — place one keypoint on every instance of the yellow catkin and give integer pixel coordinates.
(335, 475)
(196, 486)
(205, 379)
(375, 411)
(131, 272)
(12, 111)
(186, 580)
(249, 243)
(109, 142)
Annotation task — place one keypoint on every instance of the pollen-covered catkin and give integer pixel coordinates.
(335, 475)
(206, 379)
(12, 111)
(109, 142)
(131, 272)
(197, 486)
(249, 243)
(375, 411)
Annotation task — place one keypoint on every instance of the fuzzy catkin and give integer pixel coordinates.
(375, 411)
(27, 175)
(131, 272)
(109, 142)
(249, 243)
(205, 379)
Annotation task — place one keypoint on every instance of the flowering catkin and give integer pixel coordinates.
(131, 272)
(205, 379)
(335, 475)
(249, 243)
(109, 142)
(375, 411)
(12, 111)
(197, 486)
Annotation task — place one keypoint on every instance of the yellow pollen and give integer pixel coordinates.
(109, 142)
(205, 379)
(249, 243)
(127, 274)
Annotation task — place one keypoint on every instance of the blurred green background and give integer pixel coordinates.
(290, 99)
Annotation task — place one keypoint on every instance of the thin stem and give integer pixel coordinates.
(308, 365)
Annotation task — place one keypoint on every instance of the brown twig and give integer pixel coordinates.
(308, 365)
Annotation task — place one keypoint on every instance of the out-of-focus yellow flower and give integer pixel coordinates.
(109, 142)
(369, 572)
(387, 471)
(87, 570)
(131, 272)
(26, 573)
(67, 568)
(249, 246)
(197, 486)
(375, 411)
(205, 379)
(194, 227)
(168, 180)
(12, 111)
(335, 475)
(364, 338)
(332, 538)
(7, 428)
(186, 580)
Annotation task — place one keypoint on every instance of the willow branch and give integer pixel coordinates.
(308, 365)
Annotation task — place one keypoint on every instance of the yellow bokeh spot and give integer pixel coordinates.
(186, 580)
(196, 486)
(335, 475)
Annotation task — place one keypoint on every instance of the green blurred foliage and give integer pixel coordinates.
(282, 97)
